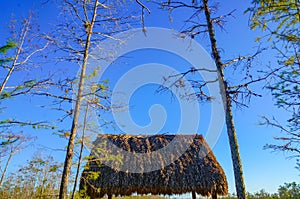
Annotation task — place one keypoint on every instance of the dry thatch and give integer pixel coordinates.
(189, 167)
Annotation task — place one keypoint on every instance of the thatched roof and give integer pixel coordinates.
(190, 167)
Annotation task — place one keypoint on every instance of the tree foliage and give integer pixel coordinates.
(38, 178)
(286, 191)
(280, 21)
(24, 44)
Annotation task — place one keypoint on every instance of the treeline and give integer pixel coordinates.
(286, 191)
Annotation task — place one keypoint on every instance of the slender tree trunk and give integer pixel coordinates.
(70, 149)
(20, 46)
(81, 150)
(5, 167)
(235, 155)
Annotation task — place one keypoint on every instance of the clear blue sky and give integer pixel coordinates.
(262, 168)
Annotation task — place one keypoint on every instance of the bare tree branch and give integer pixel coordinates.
(143, 8)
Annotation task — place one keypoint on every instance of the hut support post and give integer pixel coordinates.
(214, 195)
(193, 195)
(109, 196)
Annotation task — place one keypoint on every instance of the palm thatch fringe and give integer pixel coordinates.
(190, 166)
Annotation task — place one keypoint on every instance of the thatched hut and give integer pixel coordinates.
(190, 166)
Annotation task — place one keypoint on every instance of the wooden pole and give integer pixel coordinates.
(193, 195)
(109, 196)
(214, 195)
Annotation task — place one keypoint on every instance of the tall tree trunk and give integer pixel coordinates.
(81, 150)
(70, 149)
(235, 155)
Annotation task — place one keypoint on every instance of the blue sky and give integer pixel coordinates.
(263, 169)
